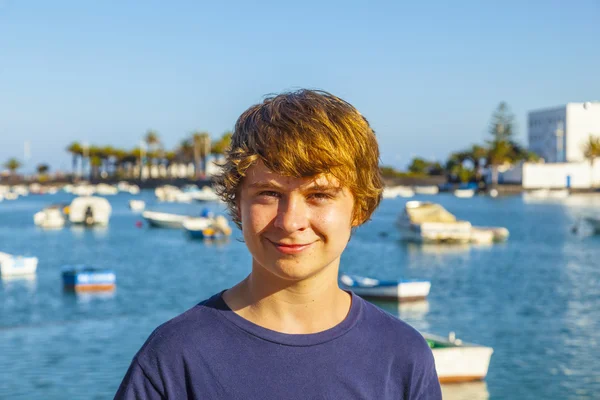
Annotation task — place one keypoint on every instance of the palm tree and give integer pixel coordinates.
(152, 141)
(591, 150)
(76, 151)
(201, 143)
(223, 144)
(13, 165)
(42, 169)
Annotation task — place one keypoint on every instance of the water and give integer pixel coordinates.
(534, 299)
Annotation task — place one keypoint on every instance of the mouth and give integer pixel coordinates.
(291, 248)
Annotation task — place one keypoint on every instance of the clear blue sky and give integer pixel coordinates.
(427, 75)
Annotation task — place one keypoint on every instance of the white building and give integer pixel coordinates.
(559, 134)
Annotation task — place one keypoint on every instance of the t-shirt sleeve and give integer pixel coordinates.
(137, 385)
(428, 386)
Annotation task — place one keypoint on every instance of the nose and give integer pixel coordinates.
(292, 215)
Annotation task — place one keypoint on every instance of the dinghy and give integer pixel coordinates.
(81, 278)
(11, 265)
(456, 361)
(400, 290)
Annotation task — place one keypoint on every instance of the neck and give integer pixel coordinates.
(311, 305)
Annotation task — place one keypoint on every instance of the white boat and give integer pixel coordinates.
(456, 361)
(90, 210)
(83, 190)
(137, 205)
(430, 189)
(164, 220)
(205, 194)
(17, 265)
(430, 223)
(400, 290)
(464, 193)
(50, 217)
(391, 192)
(102, 189)
(134, 189)
(10, 196)
(594, 222)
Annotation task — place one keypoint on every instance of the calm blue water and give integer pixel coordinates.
(534, 299)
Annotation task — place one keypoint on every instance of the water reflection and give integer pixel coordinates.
(408, 310)
(413, 248)
(19, 282)
(99, 231)
(465, 391)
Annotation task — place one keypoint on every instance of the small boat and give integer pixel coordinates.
(17, 265)
(51, 217)
(594, 222)
(137, 205)
(164, 220)
(10, 196)
(428, 222)
(82, 278)
(205, 194)
(392, 192)
(400, 290)
(89, 210)
(430, 189)
(498, 233)
(207, 227)
(431, 223)
(102, 189)
(464, 193)
(456, 361)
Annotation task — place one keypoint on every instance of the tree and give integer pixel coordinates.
(201, 144)
(43, 169)
(76, 152)
(502, 126)
(221, 145)
(13, 165)
(419, 166)
(591, 150)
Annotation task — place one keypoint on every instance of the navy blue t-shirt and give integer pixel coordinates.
(210, 352)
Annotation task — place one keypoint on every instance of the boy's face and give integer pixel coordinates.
(294, 227)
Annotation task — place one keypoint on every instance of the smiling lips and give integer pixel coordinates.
(291, 248)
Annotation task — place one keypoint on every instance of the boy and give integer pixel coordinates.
(301, 173)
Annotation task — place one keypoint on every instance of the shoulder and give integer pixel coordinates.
(410, 358)
(172, 338)
(394, 332)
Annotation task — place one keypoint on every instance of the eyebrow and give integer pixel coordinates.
(273, 185)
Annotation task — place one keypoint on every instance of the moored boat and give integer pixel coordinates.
(11, 265)
(89, 210)
(51, 217)
(456, 361)
(399, 290)
(164, 220)
(82, 278)
(137, 205)
(429, 190)
(431, 223)
(428, 222)
(207, 228)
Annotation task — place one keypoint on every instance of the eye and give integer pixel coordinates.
(320, 196)
(269, 193)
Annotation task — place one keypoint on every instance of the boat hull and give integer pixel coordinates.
(88, 281)
(459, 362)
(18, 266)
(404, 291)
